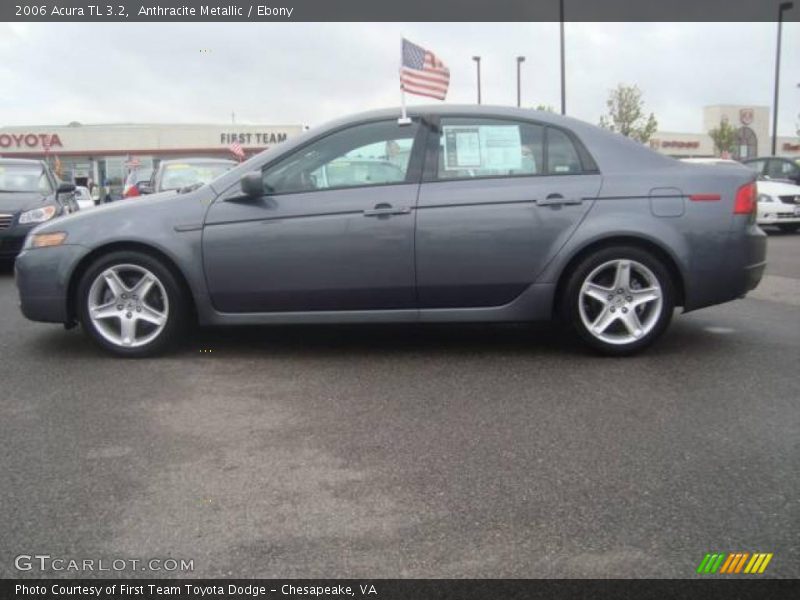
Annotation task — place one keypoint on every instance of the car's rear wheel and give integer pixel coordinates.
(131, 304)
(619, 300)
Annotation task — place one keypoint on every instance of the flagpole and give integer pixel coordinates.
(403, 120)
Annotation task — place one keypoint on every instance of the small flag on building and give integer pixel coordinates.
(236, 149)
(422, 73)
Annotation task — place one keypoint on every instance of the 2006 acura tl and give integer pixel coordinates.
(465, 214)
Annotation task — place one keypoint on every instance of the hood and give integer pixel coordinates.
(777, 188)
(11, 202)
(118, 210)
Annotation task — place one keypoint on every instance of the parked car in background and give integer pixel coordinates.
(778, 201)
(776, 167)
(502, 214)
(186, 172)
(83, 198)
(138, 176)
(779, 204)
(30, 194)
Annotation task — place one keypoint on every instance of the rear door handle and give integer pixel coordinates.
(557, 200)
(383, 209)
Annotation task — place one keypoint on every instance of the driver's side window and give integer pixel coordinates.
(369, 154)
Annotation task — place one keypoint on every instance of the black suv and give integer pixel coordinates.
(30, 194)
(776, 167)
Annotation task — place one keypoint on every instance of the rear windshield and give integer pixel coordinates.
(178, 175)
(23, 178)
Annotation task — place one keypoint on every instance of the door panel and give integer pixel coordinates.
(481, 242)
(312, 251)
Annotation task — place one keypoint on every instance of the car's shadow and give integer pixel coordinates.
(356, 341)
(434, 341)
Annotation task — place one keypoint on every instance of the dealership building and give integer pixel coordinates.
(105, 153)
(754, 138)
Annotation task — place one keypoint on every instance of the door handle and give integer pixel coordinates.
(558, 200)
(382, 210)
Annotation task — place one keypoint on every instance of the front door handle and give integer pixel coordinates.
(383, 210)
(558, 200)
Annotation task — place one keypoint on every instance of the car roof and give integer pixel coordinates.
(21, 161)
(199, 159)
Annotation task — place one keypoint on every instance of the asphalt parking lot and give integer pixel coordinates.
(436, 451)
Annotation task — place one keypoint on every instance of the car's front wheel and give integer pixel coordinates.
(131, 304)
(619, 300)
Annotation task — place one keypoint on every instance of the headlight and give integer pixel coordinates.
(44, 240)
(38, 215)
(765, 198)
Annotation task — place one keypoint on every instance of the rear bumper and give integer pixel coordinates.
(740, 270)
(42, 277)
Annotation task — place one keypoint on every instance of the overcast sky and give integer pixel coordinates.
(54, 73)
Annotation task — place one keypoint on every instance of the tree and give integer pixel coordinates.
(724, 137)
(626, 114)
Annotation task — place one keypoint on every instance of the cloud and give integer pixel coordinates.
(54, 73)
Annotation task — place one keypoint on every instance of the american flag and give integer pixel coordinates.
(236, 149)
(422, 73)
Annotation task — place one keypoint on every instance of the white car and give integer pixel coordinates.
(778, 202)
(84, 198)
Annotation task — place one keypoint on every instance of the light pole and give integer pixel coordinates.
(783, 6)
(477, 60)
(563, 84)
(520, 60)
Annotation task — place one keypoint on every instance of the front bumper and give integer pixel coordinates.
(12, 240)
(42, 276)
(779, 218)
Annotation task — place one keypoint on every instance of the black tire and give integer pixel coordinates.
(570, 302)
(789, 227)
(176, 307)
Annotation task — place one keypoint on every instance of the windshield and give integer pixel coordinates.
(178, 175)
(23, 178)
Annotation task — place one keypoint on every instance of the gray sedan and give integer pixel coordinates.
(463, 214)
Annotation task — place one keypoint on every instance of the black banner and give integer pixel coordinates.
(394, 589)
(282, 11)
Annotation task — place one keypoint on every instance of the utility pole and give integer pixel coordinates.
(477, 60)
(520, 60)
(563, 83)
(782, 7)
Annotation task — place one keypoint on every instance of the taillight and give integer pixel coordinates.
(130, 192)
(745, 203)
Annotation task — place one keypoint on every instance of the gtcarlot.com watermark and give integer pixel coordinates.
(46, 562)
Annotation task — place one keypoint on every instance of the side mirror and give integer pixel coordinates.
(65, 188)
(252, 184)
(144, 187)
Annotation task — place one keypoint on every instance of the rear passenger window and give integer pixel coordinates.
(562, 157)
(489, 148)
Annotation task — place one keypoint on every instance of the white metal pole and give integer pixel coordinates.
(403, 120)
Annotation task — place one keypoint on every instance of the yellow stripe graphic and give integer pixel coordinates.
(753, 564)
(764, 564)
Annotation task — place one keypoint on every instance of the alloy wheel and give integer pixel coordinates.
(620, 301)
(128, 305)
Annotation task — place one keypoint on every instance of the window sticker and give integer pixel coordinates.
(496, 147)
(462, 147)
